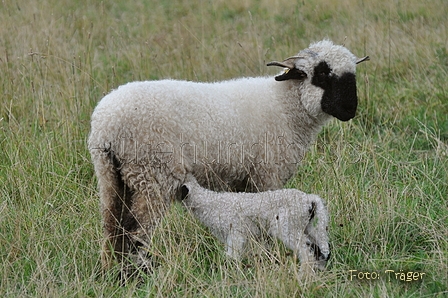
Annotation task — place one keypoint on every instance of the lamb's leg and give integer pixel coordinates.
(236, 241)
(306, 254)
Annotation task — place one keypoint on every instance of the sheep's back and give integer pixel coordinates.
(222, 130)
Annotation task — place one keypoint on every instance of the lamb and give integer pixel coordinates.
(298, 219)
(246, 134)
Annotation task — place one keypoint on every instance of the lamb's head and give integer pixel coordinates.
(325, 74)
(317, 231)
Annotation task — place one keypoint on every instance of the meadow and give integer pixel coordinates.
(384, 174)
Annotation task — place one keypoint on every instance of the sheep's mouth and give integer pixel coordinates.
(340, 99)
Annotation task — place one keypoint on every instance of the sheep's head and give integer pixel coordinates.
(317, 231)
(328, 75)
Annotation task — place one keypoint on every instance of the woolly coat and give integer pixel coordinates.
(247, 134)
(228, 133)
(298, 219)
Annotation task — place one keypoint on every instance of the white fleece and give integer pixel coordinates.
(298, 219)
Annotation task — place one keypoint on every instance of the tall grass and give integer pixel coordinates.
(384, 174)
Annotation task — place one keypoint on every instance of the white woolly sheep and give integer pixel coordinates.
(298, 219)
(247, 134)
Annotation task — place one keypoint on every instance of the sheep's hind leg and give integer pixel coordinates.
(114, 201)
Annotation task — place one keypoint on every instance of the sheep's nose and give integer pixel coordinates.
(327, 256)
(342, 101)
(323, 255)
(345, 93)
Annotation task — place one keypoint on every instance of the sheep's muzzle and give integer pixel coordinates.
(340, 99)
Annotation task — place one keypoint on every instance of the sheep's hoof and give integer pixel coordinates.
(137, 266)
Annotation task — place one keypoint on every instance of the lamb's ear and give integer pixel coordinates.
(184, 190)
(291, 72)
(312, 210)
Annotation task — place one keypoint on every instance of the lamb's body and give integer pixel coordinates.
(246, 134)
(298, 219)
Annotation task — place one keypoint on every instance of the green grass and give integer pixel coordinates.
(384, 174)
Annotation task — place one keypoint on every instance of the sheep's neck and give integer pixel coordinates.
(304, 126)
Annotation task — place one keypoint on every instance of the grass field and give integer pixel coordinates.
(384, 174)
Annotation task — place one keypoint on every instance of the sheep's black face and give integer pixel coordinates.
(339, 99)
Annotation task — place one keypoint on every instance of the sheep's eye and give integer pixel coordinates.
(322, 72)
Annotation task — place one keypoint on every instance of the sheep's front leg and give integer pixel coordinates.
(235, 243)
(150, 202)
(148, 210)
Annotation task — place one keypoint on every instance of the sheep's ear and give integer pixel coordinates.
(312, 210)
(184, 192)
(291, 72)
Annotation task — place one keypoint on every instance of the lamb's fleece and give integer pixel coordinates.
(298, 219)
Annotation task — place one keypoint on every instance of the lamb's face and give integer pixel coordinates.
(326, 78)
(320, 257)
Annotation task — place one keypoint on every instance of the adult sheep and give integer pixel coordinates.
(247, 134)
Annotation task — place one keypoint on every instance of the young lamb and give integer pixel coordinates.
(247, 134)
(298, 219)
